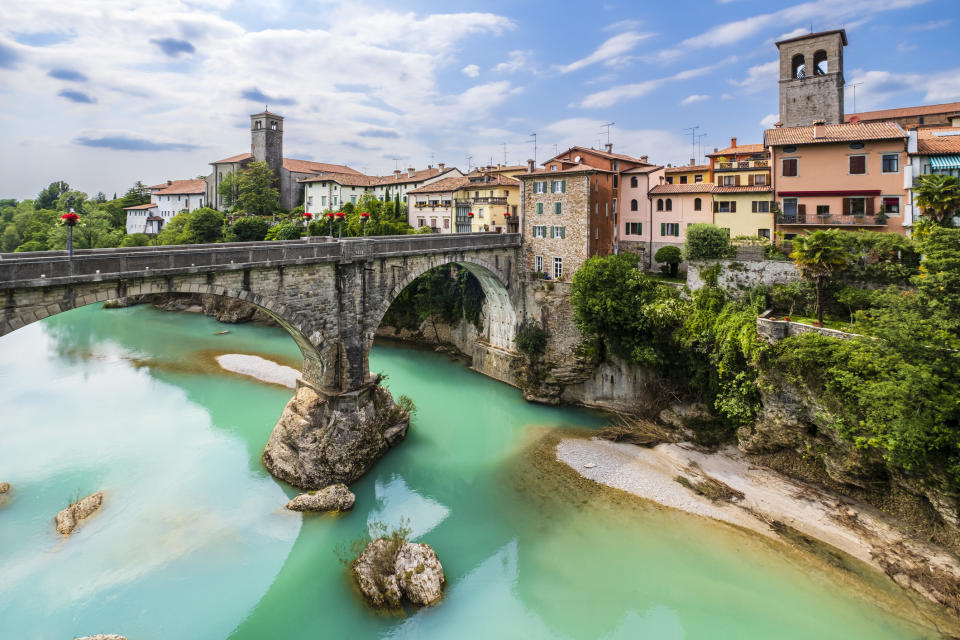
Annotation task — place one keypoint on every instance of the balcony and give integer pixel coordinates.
(806, 220)
(490, 200)
(741, 165)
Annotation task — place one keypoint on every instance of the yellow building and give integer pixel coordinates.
(492, 199)
(742, 194)
(690, 174)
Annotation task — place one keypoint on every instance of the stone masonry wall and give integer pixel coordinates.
(743, 275)
(574, 248)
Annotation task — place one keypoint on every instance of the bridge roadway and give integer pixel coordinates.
(329, 294)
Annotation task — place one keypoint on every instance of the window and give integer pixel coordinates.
(539, 231)
(634, 228)
(790, 207)
(659, 204)
(433, 223)
(669, 204)
(789, 166)
(554, 167)
(558, 232)
(820, 66)
(633, 182)
(557, 208)
(891, 205)
(596, 233)
(421, 222)
(634, 206)
(538, 263)
(606, 209)
(480, 213)
(558, 186)
(798, 66)
(558, 268)
(683, 179)
(854, 206)
(858, 165)
(790, 149)
(616, 181)
(669, 180)
(728, 181)
(539, 207)
(669, 229)
(760, 206)
(760, 179)
(856, 145)
(891, 163)
(698, 177)
(446, 223)
(697, 204)
(540, 187)
(724, 206)
(823, 210)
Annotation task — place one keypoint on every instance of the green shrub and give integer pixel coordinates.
(707, 241)
(249, 228)
(286, 230)
(671, 256)
(531, 339)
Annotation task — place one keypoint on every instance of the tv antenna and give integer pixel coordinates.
(693, 138)
(469, 163)
(534, 136)
(608, 125)
(855, 85)
(504, 154)
(700, 137)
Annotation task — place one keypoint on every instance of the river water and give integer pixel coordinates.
(193, 541)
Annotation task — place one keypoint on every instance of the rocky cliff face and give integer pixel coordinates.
(322, 440)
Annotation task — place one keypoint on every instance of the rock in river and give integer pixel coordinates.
(419, 573)
(69, 518)
(388, 571)
(4, 488)
(336, 497)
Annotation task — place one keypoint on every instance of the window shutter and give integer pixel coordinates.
(801, 209)
(663, 229)
(676, 230)
(750, 180)
(563, 232)
(733, 206)
(736, 181)
(753, 206)
(563, 186)
(716, 207)
(551, 231)
(846, 206)
(870, 206)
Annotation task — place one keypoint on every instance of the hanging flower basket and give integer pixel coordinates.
(330, 215)
(341, 215)
(365, 215)
(69, 219)
(307, 215)
(470, 215)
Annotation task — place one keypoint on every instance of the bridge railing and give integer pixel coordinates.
(57, 268)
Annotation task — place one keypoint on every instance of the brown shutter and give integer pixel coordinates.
(750, 180)
(753, 206)
(716, 207)
(846, 206)
(733, 206)
(736, 181)
(802, 209)
(870, 206)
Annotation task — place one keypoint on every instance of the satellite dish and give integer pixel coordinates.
(577, 159)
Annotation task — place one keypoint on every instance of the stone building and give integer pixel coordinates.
(166, 200)
(931, 115)
(811, 78)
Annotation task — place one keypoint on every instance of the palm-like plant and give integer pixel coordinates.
(819, 256)
(938, 197)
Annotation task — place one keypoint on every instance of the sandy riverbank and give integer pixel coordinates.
(259, 368)
(769, 501)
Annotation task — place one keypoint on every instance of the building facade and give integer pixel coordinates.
(636, 222)
(166, 200)
(476, 202)
(674, 207)
(743, 192)
(692, 173)
(931, 151)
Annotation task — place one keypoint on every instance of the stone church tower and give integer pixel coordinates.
(811, 78)
(266, 139)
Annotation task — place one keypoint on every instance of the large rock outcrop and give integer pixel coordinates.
(389, 570)
(69, 518)
(336, 497)
(322, 440)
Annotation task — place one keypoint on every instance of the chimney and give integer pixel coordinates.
(410, 172)
(643, 159)
(608, 147)
(819, 129)
(429, 167)
(854, 119)
(396, 173)
(693, 162)
(776, 125)
(169, 182)
(955, 121)
(733, 142)
(440, 166)
(530, 165)
(661, 177)
(715, 149)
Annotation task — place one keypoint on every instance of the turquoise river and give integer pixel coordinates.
(193, 540)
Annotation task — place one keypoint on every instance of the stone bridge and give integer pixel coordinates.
(330, 295)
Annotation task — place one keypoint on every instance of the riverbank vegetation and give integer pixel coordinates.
(442, 295)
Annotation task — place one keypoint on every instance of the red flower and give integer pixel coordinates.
(470, 215)
(506, 215)
(341, 214)
(307, 215)
(364, 215)
(70, 218)
(330, 215)
(787, 318)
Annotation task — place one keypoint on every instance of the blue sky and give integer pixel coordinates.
(102, 93)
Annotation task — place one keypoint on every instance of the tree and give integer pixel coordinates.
(938, 196)
(137, 194)
(670, 256)
(72, 198)
(48, 197)
(707, 241)
(193, 227)
(256, 193)
(249, 229)
(135, 240)
(286, 230)
(819, 256)
(100, 198)
(229, 190)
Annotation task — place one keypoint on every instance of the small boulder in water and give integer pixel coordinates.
(4, 488)
(389, 570)
(419, 573)
(69, 518)
(336, 497)
(374, 572)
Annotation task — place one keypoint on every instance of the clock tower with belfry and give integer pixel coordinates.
(266, 139)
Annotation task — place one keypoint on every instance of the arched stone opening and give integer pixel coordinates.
(798, 66)
(820, 65)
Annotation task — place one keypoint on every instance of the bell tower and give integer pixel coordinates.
(266, 139)
(811, 78)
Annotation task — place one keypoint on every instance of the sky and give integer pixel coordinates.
(102, 93)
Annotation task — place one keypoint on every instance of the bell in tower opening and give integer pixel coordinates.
(266, 139)
(811, 78)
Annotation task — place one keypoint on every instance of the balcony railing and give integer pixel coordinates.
(742, 164)
(489, 200)
(831, 220)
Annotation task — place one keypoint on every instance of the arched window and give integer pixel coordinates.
(669, 204)
(659, 204)
(820, 66)
(696, 204)
(799, 66)
(633, 205)
(633, 182)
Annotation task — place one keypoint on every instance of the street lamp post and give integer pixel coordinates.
(340, 216)
(307, 216)
(330, 221)
(364, 218)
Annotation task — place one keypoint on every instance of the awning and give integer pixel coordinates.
(945, 162)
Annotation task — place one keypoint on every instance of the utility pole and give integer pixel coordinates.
(700, 137)
(469, 163)
(855, 85)
(504, 154)
(693, 138)
(534, 136)
(608, 125)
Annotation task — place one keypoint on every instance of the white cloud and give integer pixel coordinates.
(661, 146)
(769, 120)
(697, 97)
(623, 25)
(613, 49)
(879, 88)
(906, 47)
(930, 26)
(516, 60)
(471, 71)
(612, 96)
(761, 77)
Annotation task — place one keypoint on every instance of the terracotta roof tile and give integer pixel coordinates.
(835, 133)
(743, 189)
(648, 169)
(418, 176)
(933, 141)
(697, 187)
(456, 183)
(688, 168)
(739, 149)
(348, 179)
(237, 158)
(889, 114)
(149, 205)
(177, 187)
(579, 168)
(308, 166)
(604, 154)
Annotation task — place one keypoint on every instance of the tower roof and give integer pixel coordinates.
(266, 113)
(807, 36)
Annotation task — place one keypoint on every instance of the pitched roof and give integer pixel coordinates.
(294, 165)
(457, 182)
(648, 169)
(149, 205)
(937, 141)
(176, 187)
(847, 132)
(604, 154)
(418, 176)
(688, 168)
(162, 185)
(737, 150)
(842, 32)
(348, 179)
(696, 187)
(743, 189)
(237, 158)
(577, 168)
(904, 112)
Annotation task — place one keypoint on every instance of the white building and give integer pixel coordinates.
(330, 190)
(932, 150)
(166, 200)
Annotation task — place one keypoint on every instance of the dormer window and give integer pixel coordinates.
(554, 167)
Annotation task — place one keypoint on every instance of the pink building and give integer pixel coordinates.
(635, 208)
(847, 176)
(674, 207)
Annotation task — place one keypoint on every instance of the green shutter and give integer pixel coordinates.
(639, 229)
(551, 232)
(563, 232)
(539, 207)
(563, 186)
(663, 229)
(556, 207)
